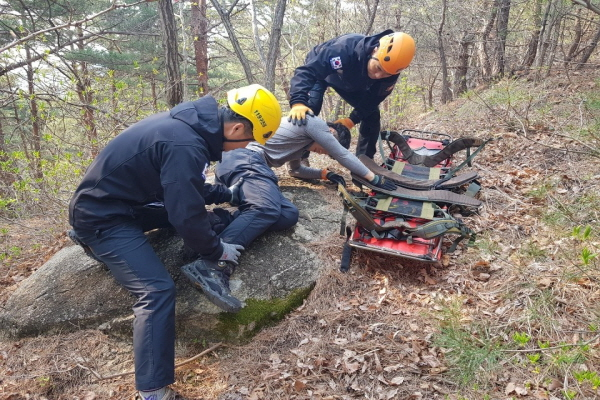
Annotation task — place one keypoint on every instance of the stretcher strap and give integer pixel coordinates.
(436, 196)
(417, 184)
(401, 229)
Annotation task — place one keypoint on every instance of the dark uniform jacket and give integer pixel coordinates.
(162, 158)
(342, 64)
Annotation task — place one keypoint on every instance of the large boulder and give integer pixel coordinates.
(72, 291)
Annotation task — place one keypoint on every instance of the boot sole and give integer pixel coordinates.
(230, 304)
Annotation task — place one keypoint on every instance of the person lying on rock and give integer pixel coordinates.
(163, 159)
(262, 206)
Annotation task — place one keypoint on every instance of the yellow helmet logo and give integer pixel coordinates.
(259, 106)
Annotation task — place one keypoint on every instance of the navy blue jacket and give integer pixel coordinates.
(162, 158)
(342, 64)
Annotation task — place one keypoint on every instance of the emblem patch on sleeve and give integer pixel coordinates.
(204, 172)
(336, 63)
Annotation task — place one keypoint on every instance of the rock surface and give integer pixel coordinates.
(72, 291)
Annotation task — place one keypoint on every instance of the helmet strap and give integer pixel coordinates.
(237, 140)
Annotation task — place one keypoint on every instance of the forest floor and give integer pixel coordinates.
(517, 316)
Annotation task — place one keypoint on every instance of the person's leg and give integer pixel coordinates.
(367, 108)
(134, 264)
(288, 216)
(261, 199)
(259, 210)
(368, 134)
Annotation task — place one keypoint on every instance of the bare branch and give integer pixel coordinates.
(587, 4)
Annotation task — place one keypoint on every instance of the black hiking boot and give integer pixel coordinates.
(212, 278)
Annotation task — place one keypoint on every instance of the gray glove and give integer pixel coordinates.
(231, 252)
(236, 192)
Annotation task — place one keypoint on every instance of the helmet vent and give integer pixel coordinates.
(241, 101)
(387, 58)
(267, 135)
(389, 48)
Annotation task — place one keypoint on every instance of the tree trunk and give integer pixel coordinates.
(532, 47)
(255, 34)
(372, 14)
(589, 50)
(485, 68)
(86, 97)
(460, 78)
(226, 19)
(200, 37)
(499, 60)
(578, 35)
(541, 51)
(36, 137)
(446, 92)
(174, 86)
(273, 53)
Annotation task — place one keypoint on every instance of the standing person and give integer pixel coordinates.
(362, 70)
(262, 206)
(163, 159)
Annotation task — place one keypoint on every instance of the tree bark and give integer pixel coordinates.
(499, 64)
(226, 19)
(541, 51)
(460, 78)
(36, 137)
(200, 37)
(532, 47)
(485, 67)
(589, 50)
(83, 87)
(446, 95)
(174, 85)
(372, 14)
(273, 52)
(587, 4)
(257, 41)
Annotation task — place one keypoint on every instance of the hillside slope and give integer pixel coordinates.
(516, 316)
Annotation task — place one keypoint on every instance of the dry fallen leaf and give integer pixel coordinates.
(299, 386)
(398, 380)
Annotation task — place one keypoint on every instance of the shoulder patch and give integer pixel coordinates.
(336, 62)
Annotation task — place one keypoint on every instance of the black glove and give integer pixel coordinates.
(335, 178)
(231, 252)
(382, 183)
(236, 192)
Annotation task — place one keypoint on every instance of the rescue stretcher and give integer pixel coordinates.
(413, 220)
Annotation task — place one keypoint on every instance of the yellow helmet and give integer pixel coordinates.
(395, 52)
(259, 106)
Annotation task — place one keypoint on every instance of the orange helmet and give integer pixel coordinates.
(395, 52)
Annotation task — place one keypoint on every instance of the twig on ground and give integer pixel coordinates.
(189, 360)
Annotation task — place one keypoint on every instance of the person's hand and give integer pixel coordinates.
(382, 183)
(335, 178)
(347, 122)
(236, 192)
(231, 252)
(298, 113)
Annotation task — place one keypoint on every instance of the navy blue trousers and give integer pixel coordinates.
(134, 264)
(364, 104)
(263, 207)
